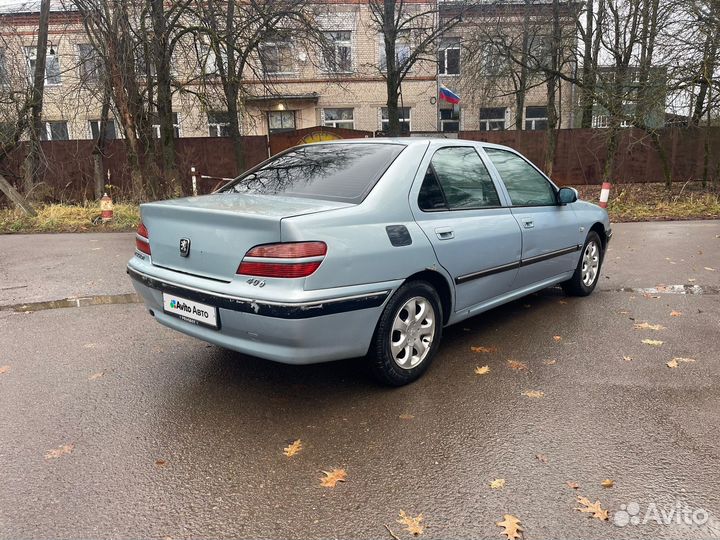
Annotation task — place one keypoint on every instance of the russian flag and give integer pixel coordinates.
(448, 95)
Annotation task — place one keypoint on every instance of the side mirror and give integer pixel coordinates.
(567, 195)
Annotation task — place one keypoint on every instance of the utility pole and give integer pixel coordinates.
(32, 161)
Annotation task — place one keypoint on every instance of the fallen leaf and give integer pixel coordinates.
(484, 349)
(648, 326)
(511, 526)
(550, 362)
(331, 478)
(60, 451)
(482, 370)
(542, 458)
(628, 358)
(672, 364)
(406, 416)
(4, 369)
(675, 313)
(293, 448)
(607, 483)
(692, 280)
(533, 394)
(709, 269)
(593, 508)
(623, 312)
(563, 302)
(411, 524)
(653, 342)
(160, 463)
(557, 338)
(498, 483)
(96, 376)
(572, 485)
(680, 359)
(517, 365)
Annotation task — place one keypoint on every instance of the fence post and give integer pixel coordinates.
(194, 181)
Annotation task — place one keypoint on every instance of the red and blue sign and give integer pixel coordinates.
(448, 95)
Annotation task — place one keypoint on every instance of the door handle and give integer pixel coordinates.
(528, 223)
(444, 233)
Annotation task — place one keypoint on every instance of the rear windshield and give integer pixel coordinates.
(335, 172)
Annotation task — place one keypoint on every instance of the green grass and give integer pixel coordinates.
(68, 218)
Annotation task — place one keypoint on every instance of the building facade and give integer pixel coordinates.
(293, 86)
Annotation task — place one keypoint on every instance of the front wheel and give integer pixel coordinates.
(407, 335)
(586, 275)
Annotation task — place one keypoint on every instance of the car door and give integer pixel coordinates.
(551, 238)
(475, 236)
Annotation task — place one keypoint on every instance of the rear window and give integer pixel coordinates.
(334, 172)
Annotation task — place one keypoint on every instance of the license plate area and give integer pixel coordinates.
(190, 310)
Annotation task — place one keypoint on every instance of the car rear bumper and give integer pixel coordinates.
(317, 330)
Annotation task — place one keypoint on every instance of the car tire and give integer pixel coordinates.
(404, 344)
(587, 272)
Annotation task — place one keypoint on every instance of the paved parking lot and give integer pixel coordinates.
(113, 426)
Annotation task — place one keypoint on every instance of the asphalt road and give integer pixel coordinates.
(113, 426)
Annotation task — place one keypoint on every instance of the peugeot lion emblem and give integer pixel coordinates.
(184, 247)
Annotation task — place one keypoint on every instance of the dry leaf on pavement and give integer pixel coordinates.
(484, 349)
(293, 448)
(533, 394)
(672, 364)
(160, 462)
(675, 362)
(4, 369)
(542, 458)
(517, 365)
(692, 280)
(686, 360)
(60, 451)
(648, 326)
(511, 526)
(653, 342)
(628, 358)
(709, 269)
(498, 483)
(675, 313)
(563, 302)
(592, 508)
(411, 524)
(96, 376)
(557, 338)
(607, 483)
(550, 362)
(482, 370)
(331, 478)
(406, 416)
(572, 485)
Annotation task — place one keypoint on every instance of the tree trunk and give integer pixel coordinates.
(32, 160)
(587, 99)
(392, 77)
(15, 196)
(99, 147)
(706, 78)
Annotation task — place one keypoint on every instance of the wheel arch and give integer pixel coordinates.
(599, 228)
(441, 285)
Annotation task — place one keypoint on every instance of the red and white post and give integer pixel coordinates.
(605, 194)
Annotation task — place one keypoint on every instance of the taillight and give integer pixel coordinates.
(142, 239)
(303, 258)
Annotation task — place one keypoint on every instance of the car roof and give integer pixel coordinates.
(414, 141)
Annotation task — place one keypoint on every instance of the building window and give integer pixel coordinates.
(450, 120)
(52, 65)
(276, 57)
(219, 124)
(403, 113)
(402, 51)
(90, 64)
(494, 63)
(109, 129)
(176, 127)
(54, 131)
(536, 118)
(492, 118)
(208, 60)
(279, 121)
(338, 118)
(449, 57)
(337, 55)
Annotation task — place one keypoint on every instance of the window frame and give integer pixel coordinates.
(218, 126)
(110, 121)
(91, 60)
(277, 44)
(487, 121)
(501, 182)
(31, 58)
(47, 128)
(333, 123)
(534, 119)
(281, 130)
(457, 120)
(403, 120)
(484, 160)
(176, 126)
(336, 44)
(403, 41)
(452, 44)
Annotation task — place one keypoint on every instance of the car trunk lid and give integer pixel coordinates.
(220, 228)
